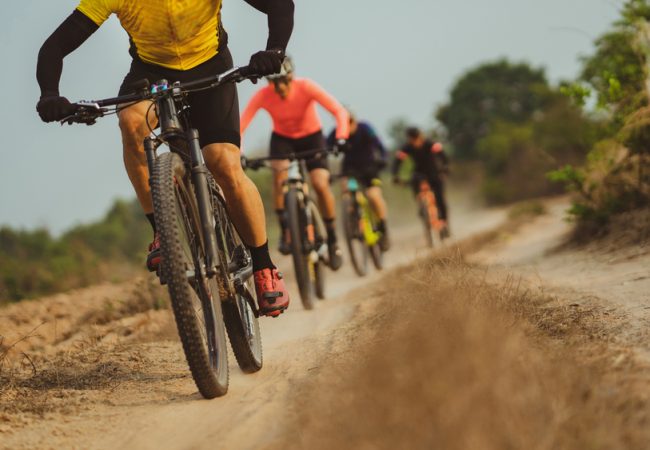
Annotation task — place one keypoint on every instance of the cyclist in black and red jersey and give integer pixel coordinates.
(364, 157)
(430, 163)
(181, 41)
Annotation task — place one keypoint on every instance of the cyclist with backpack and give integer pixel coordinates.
(364, 157)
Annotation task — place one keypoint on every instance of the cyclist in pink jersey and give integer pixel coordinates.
(291, 102)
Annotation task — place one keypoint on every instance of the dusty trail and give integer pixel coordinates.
(531, 345)
(615, 278)
(148, 399)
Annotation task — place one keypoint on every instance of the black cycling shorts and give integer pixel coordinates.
(366, 179)
(281, 146)
(213, 112)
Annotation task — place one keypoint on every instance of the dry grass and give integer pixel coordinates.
(57, 383)
(630, 229)
(457, 359)
(103, 349)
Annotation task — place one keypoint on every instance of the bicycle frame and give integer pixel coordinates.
(182, 139)
(427, 200)
(367, 214)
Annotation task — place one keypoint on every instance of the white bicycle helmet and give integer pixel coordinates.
(286, 69)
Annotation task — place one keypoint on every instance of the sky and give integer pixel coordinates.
(384, 59)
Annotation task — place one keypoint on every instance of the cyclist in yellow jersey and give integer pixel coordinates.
(181, 40)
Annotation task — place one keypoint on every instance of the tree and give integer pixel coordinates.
(614, 178)
(492, 92)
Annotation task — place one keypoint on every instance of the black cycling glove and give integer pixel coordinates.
(341, 146)
(266, 62)
(53, 108)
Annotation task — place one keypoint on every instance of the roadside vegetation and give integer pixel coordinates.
(590, 136)
(508, 118)
(34, 263)
(614, 179)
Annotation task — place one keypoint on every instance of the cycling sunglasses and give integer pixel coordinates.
(280, 80)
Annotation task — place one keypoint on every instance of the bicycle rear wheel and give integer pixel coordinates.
(426, 221)
(297, 227)
(377, 256)
(355, 242)
(238, 311)
(195, 298)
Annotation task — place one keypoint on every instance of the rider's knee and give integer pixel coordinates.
(321, 182)
(130, 122)
(225, 164)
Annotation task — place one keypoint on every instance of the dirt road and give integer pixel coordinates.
(439, 354)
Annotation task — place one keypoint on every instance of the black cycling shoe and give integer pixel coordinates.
(384, 241)
(335, 256)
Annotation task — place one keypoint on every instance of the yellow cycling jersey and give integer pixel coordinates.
(177, 34)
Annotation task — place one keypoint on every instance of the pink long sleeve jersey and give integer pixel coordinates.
(295, 116)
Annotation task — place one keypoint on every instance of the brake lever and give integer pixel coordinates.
(87, 112)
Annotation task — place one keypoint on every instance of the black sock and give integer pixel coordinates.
(330, 226)
(282, 219)
(152, 221)
(261, 257)
(381, 226)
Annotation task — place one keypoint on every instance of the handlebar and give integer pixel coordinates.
(258, 163)
(88, 111)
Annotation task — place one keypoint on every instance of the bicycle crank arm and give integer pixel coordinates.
(242, 275)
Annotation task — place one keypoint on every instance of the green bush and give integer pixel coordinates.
(34, 263)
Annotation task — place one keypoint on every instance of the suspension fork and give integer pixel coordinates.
(150, 152)
(305, 218)
(199, 174)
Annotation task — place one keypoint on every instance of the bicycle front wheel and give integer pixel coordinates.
(195, 298)
(297, 230)
(377, 256)
(316, 262)
(426, 221)
(355, 241)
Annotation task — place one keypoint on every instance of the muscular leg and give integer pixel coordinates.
(134, 130)
(320, 179)
(377, 202)
(242, 197)
(279, 177)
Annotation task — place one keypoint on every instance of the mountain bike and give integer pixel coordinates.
(206, 267)
(307, 232)
(360, 227)
(428, 212)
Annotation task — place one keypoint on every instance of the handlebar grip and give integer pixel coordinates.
(246, 72)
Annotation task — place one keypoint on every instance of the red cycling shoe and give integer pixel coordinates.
(272, 296)
(154, 257)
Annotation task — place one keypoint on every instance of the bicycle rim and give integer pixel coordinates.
(355, 242)
(426, 222)
(241, 323)
(318, 264)
(195, 299)
(297, 230)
